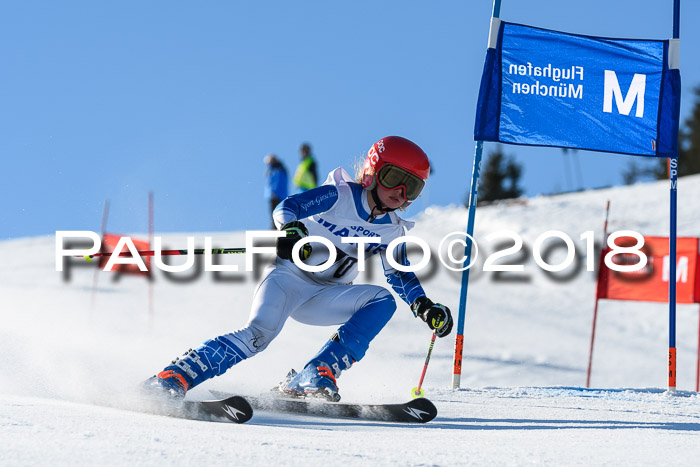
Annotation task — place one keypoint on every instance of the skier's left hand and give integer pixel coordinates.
(438, 317)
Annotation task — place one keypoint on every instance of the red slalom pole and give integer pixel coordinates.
(417, 391)
(96, 274)
(597, 290)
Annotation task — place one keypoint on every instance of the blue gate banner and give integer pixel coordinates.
(547, 88)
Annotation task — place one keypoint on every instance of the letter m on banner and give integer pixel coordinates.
(635, 94)
(611, 95)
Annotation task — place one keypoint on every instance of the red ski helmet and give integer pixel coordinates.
(394, 162)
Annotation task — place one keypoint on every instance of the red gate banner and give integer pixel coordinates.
(109, 242)
(650, 283)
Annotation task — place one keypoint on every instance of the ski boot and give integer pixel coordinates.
(169, 383)
(318, 378)
(283, 384)
(178, 377)
(211, 359)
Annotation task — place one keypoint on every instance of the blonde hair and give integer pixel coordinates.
(358, 166)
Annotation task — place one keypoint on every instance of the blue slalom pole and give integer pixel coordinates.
(459, 338)
(676, 19)
(673, 176)
(478, 150)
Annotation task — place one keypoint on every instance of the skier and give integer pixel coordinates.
(393, 176)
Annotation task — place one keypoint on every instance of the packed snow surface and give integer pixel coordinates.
(75, 344)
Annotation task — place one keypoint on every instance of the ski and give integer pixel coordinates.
(419, 410)
(232, 408)
(235, 408)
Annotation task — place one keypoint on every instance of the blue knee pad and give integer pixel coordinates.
(365, 324)
(213, 358)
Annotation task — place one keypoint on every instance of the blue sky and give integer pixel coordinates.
(109, 101)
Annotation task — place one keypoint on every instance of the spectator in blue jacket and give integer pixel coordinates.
(276, 186)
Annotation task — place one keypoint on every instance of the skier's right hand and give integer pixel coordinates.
(294, 231)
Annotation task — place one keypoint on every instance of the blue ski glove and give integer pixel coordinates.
(295, 231)
(436, 316)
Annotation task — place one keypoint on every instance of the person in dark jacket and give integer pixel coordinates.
(276, 187)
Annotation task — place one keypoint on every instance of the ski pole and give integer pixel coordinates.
(418, 391)
(198, 251)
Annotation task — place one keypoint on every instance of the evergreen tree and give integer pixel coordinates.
(689, 158)
(689, 142)
(632, 173)
(643, 169)
(499, 179)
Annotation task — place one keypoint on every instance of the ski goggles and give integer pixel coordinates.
(392, 177)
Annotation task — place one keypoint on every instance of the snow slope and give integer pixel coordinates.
(69, 358)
